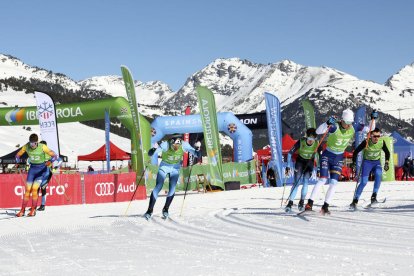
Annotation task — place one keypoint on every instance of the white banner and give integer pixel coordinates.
(46, 114)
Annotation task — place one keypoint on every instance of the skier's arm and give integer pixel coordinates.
(21, 152)
(358, 149)
(386, 151)
(324, 127)
(157, 149)
(292, 151)
(186, 147)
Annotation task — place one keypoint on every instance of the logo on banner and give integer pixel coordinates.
(45, 111)
(232, 128)
(15, 115)
(104, 188)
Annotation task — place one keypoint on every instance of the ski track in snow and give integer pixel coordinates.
(228, 233)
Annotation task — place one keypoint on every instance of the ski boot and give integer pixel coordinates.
(288, 208)
(147, 215)
(41, 208)
(309, 205)
(32, 212)
(301, 205)
(21, 213)
(374, 200)
(353, 205)
(325, 209)
(165, 214)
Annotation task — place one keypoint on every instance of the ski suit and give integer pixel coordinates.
(303, 166)
(37, 172)
(170, 165)
(332, 157)
(370, 163)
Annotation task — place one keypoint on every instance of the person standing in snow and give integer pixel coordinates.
(37, 171)
(340, 134)
(172, 155)
(371, 163)
(306, 147)
(406, 168)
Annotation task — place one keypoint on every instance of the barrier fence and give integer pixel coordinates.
(67, 189)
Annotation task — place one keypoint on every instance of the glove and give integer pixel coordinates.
(151, 151)
(386, 166)
(331, 121)
(48, 163)
(18, 159)
(374, 114)
(353, 166)
(287, 171)
(57, 163)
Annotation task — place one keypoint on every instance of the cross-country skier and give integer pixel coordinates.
(306, 147)
(172, 155)
(371, 163)
(37, 171)
(340, 134)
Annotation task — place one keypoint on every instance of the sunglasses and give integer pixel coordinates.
(376, 136)
(33, 144)
(310, 139)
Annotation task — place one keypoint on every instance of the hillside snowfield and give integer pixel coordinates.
(226, 233)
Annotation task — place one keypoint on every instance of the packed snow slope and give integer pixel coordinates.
(226, 233)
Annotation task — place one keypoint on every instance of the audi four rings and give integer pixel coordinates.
(104, 188)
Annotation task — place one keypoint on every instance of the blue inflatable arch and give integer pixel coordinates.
(227, 123)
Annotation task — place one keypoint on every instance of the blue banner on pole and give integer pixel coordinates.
(107, 145)
(274, 130)
(360, 135)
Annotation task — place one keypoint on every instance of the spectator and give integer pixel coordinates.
(406, 167)
(90, 169)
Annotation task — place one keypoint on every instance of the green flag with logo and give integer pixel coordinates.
(309, 114)
(208, 113)
(137, 150)
(390, 174)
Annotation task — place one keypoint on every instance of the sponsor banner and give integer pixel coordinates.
(99, 188)
(274, 129)
(208, 114)
(360, 135)
(62, 190)
(245, 172)
(125, 187)
(309, 112)
(390, 174)
(46, 114)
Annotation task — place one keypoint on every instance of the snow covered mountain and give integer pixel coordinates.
(238, 86)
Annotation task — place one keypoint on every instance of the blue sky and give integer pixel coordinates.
(170, 40)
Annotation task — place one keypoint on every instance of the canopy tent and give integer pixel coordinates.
(100, 154)
(402, 148)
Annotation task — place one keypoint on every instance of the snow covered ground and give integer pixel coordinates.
(225, 233)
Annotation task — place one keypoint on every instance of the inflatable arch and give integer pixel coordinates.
(227, 123)
(117, 107)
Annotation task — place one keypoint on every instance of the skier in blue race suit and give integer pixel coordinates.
(371, 163)
(172, 155)
(340, 134)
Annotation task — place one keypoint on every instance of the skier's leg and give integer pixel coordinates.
(298, 178)
(161, 175)
(378, 176)
(304, 191)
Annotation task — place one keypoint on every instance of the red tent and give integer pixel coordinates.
(100, 154)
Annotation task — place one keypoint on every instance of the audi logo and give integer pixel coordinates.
(104, 189)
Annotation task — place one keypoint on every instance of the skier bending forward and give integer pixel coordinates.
(172, 154)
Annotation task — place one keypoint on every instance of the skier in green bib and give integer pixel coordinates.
(371, 163)
(340, 134)
(172, 155)
(306, 147)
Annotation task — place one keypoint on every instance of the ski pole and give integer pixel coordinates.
(307, 164)
(136, 188)
(366, 145)
(186, 189)
(284, 186)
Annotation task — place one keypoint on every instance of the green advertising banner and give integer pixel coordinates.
(309, 114)
(390, 174)
(208, 114)
(118, 107)
(245, 172)
(136, 149)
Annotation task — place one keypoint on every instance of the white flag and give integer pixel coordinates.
(46, 114)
